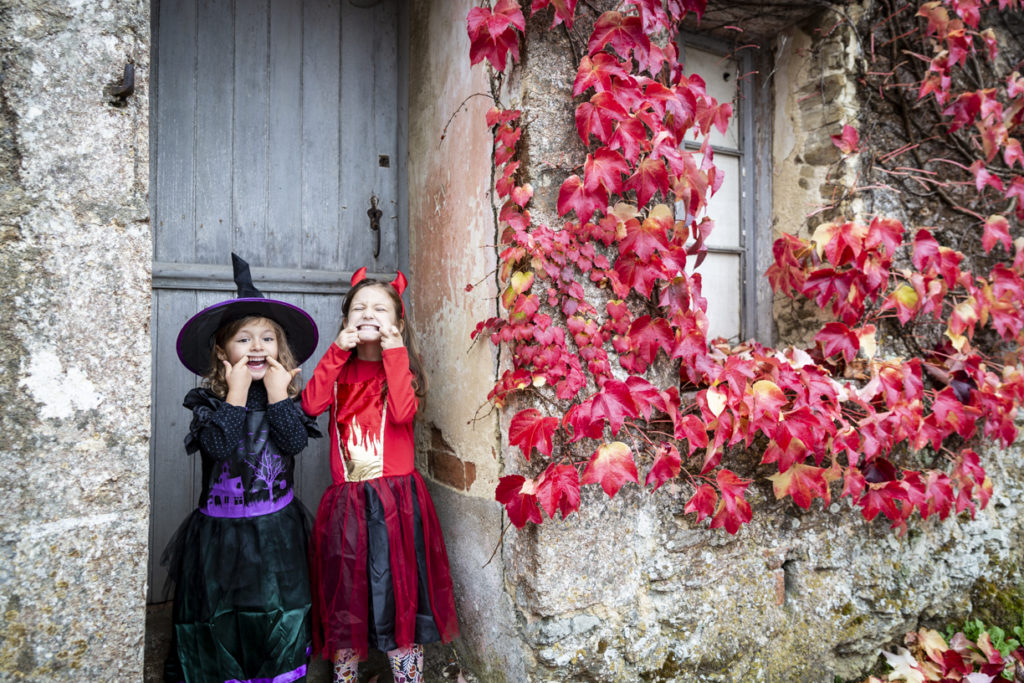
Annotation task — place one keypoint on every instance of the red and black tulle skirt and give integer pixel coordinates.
(379, 568)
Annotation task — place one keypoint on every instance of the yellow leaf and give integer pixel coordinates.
(906, 295)
(661, 212)
(868, 342)
(822, 236)
(716, 401)
(958, 340)
(522, 281)
(624, 211)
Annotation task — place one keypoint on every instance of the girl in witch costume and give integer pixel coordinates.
(239, 562)
(377, 558)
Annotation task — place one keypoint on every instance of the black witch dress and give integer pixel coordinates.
(242, 600)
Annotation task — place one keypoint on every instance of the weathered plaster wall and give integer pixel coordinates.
(452, 233)
(74, 341)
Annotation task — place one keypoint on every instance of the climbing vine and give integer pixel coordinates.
(593, 307)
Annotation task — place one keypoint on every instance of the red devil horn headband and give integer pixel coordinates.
(399, 283)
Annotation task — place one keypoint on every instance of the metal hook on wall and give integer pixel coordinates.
(120, 92)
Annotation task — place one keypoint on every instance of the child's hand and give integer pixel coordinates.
(238, 379)
(391, 338)
(347, 338)
(277, 379)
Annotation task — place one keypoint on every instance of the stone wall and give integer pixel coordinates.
(74, 340)
(814, 80)
(633, 589)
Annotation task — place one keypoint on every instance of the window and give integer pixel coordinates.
(739, 300)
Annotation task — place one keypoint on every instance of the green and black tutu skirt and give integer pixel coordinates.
(241, 598)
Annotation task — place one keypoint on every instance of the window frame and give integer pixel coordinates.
(754, 103)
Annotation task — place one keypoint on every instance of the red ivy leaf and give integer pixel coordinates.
(637, 273)
(583, 423)
(733, 510)
(983, 178)
(702, 502)
(693, 429)
(848, 140)
(997, 231)
(604, 168)
(837, 337)
(803, 483)
(598, 116)
(667, 464)
(611, 466)
(882, 498)
(615, 403)
(564, 10)
(650, 177)
(573, 196)
(529, 430)
(647, 335)
(937, 16)
(558, 490)
(518, 495)
(644, 239)
(624, 33)
(926, 250)
(596, 72)
(769, 400)
(492, 34)
(679, 8)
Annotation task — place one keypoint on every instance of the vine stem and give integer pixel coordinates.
(497, 545)
(444, 131)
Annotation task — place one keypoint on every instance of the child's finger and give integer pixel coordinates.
(296, 371)
(242, 362)
(273, 362)
(227, 367)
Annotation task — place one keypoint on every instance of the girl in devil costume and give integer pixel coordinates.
(377, 558)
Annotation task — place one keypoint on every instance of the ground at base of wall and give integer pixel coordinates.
(440, 663)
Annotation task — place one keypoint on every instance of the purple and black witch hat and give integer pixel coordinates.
(195, 341)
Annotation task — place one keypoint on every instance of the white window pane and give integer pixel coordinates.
(724, 207)
(720, 74)
(720, 278)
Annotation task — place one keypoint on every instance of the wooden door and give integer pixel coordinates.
(273, 124)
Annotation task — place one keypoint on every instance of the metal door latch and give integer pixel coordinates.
(374, 213)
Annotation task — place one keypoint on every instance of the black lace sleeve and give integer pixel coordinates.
(217, 427)
(290, 428)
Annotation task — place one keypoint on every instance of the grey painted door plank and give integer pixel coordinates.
(175, 122)
(213, 140)
(284, 241)
(249, 128)
(322, 156)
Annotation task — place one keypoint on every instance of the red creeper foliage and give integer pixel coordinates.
(832, 415)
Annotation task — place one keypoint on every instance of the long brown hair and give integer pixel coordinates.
(419, 379)
(215, 379)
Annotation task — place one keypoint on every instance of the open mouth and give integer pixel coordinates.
(257, 362)
(369, 326)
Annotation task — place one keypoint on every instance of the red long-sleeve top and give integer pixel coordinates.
(365, 381)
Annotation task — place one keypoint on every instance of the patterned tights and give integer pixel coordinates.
(406, 665)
